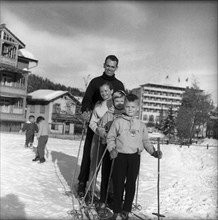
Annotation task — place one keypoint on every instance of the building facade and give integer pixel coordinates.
(57, 107)
(14, 70)
(156, 99)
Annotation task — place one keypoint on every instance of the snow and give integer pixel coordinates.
(26, 53)
(188, 181)
(46, 94)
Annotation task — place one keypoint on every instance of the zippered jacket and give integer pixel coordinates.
(129, 135)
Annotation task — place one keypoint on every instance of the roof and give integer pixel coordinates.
(48, 95)
(3, 26)
(165, 86)
(26, 54)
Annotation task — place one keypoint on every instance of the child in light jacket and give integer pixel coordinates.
(103, 128)
(126, 139)
(99, 110)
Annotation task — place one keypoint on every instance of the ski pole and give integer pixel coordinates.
(75, 212)
(158, 182)
(91, 181)
(106, 214)
(96, 173)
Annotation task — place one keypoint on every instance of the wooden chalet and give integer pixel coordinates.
(15, 65)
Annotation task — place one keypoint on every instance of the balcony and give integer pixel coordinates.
(13, 88)
(12, 113)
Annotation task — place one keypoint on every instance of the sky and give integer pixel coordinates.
(152, 40)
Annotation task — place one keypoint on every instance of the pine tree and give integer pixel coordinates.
(169, 123)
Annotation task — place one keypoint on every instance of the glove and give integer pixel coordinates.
(113, 154)
(156, 155)
(86, 116)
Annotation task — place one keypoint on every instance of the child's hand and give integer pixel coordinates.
(157, 155)
(86, 116)
(113, 154)
(20, 131)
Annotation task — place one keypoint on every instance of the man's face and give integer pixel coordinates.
(110, 67)
(131, 108)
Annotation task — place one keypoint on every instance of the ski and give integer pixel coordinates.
(139, 215)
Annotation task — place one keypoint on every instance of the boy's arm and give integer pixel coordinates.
(146, 142)
(24, 127)
(111, 136)
(148, 146)
(40, 129)
(36, 129)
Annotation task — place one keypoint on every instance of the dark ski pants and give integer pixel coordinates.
(105, 172)
(125, 172)
(41, 146)
(29, 138)
(85, 164)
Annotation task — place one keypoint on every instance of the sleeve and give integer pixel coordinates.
(88, 97)
(146, 142)
(24, 127)
(93, 124)
(36, 129)
(111, 136)
(101, 131)
(40, 130)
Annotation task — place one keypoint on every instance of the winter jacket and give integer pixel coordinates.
(106, 122)
(100, 109)
(43, 129)
(30, 127)
(92, 94)
(128, 135)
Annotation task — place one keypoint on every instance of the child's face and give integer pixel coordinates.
(119, 103)
(32, 119)
(131, 108)
(105, 92)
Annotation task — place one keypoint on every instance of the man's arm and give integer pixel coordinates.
(88, 97)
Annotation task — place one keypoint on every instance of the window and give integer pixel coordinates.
(54, 127)
(145, 117)
(42, 109)
(32, 108)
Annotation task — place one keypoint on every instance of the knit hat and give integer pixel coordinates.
(118, 94)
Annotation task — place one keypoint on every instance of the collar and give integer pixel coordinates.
(108, 78)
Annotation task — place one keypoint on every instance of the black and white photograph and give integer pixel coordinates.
(108, 110)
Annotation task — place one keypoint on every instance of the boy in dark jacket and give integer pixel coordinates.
(30, 127)
(92, 95)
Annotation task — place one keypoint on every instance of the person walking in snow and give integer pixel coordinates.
(42, 137)
(102, 130)
(30, 127)
(101, 107)
(126, 139)
(92, 95)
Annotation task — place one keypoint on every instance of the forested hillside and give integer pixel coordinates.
(36, 82)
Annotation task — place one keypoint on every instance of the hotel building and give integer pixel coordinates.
(156, 99)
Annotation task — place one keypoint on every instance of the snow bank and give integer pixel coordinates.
(188, 181)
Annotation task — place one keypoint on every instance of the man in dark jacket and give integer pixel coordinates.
(92, 95)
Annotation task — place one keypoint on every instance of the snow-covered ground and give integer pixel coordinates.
(188, 181)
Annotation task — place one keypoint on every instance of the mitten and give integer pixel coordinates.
(113, 154)
(156, 155)
(86, 116)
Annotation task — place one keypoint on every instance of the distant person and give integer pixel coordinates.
(42, 136)
(101, 107)
(30, 128)
(92, 95)
(126, 139)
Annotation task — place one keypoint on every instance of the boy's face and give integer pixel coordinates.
(32, 119)
(119, 103)
(131, 108)
(105, 92)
